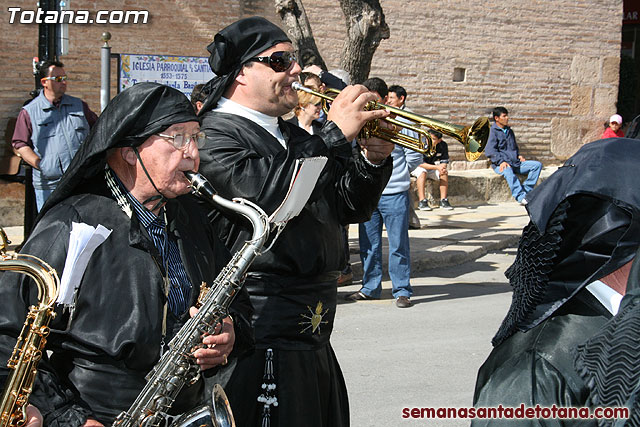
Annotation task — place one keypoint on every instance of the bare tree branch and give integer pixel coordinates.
(297, 25)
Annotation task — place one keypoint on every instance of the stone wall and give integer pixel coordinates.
(553, 64)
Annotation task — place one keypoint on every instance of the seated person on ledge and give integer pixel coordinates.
(505, 157)
(434, 168)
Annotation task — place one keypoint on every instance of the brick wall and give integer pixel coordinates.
(182, 27)
(553, 64)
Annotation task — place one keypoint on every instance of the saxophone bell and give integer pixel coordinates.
(216, 414)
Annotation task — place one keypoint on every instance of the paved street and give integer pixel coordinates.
(428, 355)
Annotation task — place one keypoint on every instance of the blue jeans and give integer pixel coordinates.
(41, 196)
(531, 168)
(393, 210)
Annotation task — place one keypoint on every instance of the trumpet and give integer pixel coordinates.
(473, 138)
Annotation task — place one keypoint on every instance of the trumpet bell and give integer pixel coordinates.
(477, 136)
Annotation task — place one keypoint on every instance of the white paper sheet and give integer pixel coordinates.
(303, 181)
(84, 239)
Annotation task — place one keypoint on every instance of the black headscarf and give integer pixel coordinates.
(585, 224)
(128, 120)
(232, 47)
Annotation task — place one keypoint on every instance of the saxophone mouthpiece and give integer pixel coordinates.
(200, 186)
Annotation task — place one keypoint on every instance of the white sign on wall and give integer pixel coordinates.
(180, 72)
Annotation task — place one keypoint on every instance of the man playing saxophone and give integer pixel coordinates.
(140, 282)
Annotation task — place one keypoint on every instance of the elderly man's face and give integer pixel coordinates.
(270, 89)
(166, 164)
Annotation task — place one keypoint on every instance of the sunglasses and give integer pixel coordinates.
(58, 79)
(180, 141)
(278, 61)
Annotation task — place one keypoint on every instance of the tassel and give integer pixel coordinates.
(268, 398)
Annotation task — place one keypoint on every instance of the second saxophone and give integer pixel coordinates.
(27, 353)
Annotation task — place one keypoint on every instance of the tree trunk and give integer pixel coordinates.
(297, 25)
(365, 28)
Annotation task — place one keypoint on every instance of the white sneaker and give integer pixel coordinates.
(523, 202)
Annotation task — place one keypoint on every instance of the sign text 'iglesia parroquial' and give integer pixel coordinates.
(180, 72)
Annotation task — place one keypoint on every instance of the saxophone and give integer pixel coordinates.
(28, 350)
(176, 368)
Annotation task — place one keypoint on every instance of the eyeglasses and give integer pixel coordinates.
(278, 61)
(58, 79)
(180, 141)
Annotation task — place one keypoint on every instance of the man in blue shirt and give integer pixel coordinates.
(393, 210)
(505, 157)
(50, 130)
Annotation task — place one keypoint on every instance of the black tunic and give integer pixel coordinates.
(293, 286)
(102, 354)
(537, 367)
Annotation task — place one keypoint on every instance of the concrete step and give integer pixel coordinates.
(478, 186)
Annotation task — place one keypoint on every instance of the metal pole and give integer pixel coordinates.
(105, 71)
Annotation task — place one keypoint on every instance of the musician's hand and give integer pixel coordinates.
(522, 159)
(503, 166)
(376, 149)
(34, 417)
(442, 169)
(218, 346)
(347, 110)
(92, 423)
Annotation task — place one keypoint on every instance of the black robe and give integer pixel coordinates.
(292, 286)
(537, 367)
(102, 354)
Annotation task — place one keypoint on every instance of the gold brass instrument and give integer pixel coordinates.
(473, 138)
(28, 350)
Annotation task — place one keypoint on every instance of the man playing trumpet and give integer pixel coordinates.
(292, 378)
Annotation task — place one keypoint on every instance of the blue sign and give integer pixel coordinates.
(180, 72)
